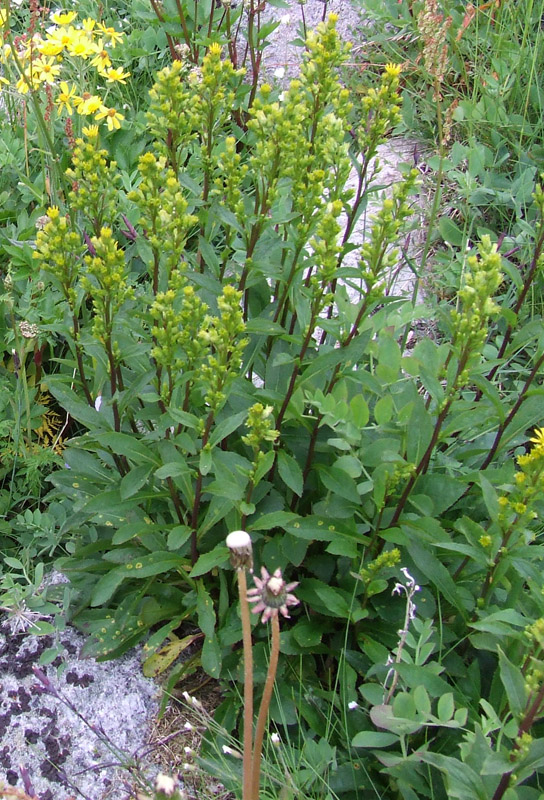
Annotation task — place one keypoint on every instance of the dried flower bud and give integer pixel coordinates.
(165, 784)
(241, 551)
(42, 221)
(28, 329)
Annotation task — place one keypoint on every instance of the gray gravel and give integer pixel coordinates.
(46, 744)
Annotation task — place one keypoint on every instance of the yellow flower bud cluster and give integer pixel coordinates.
(312, 114)
(386, 560)
(223, 336)
(178, 314)
(260, 427)
(59, 250)
(94, 183)
(382, 108)
(106, 283)
(377, 255)
(163, 210)
(483, 278)
(171, 118)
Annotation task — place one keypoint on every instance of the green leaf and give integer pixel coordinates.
(461, 781)
(383, 410)
(290, 472)
(107, 586)
(513, 682)
(323, 598)
(436, 572)
(450, 232)
(174, 469)
(206, 461)
(360, 413)
(340, 483)
(227, 426)
(124, 444)
(205, 611)
(207, 561)
(276, 519)
(134, 480)
(178, 536)
(210, 658)
(264, 467)
(445, 707)
(374, 739)
(307, 633)
(81, 412)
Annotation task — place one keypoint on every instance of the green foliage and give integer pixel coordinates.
(219, 363)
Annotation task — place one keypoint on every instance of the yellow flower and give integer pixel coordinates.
(88, 103)
(215, 49)
(102, 58)
(64, 37)
(65, 97)
(45, 70)
(486, 540)
(26, 82)
(90, 131)
(81, 46)
(88, 24)
(113, 35)
(3, 17)
(116, 75)
(112, 116)
(50, 47)
(63, 18)
(393, 70)
(538, 438)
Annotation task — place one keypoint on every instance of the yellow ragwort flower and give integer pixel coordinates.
(538, 438)
(102, 58)
(88, 104)
(63, 17)
(62, 37)
(116, 75)
(45, 70)
(81, 46)
(393, 70)
(66, 97)
(112, 117)
(110, 33)
(90, 131)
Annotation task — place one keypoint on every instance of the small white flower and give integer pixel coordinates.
(281, 97)
(229, 751)
(188, 727)
(188, 751)
(279, 72)
(98, 402)
(353, 705)
(191, 701)
(275, 739)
